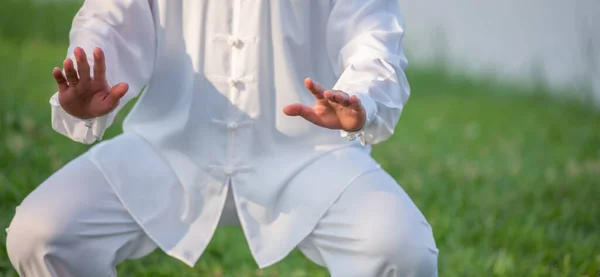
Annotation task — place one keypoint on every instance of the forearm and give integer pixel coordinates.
(124, 30)
(367, 50)
(383, 90)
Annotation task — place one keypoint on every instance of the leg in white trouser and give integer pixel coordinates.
(74, 225)
(373, 230)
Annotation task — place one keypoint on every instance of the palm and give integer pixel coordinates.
(333, 109)
(82, 95)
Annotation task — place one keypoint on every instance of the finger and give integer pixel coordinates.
(83, 67)
(342, 98)
(99, 64)
(116, 93)
(315, 88)
(70, 71)
(330, 96)
(355, 103)
(61, 81)
(305, 112)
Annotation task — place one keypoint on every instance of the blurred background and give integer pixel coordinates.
(499, 144)
(551, 42)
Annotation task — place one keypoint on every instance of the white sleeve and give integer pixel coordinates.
(124, 29)
(365, 48)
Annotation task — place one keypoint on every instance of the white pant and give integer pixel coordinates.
(74, 225)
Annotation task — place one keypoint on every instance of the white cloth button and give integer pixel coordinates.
(232, 126)
(234, 41)
(233, 82)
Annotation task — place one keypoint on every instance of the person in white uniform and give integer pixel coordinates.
(253, 113)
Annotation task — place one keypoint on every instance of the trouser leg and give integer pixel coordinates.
(74, 225)
(373, 230)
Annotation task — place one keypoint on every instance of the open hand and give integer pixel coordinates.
(333, 109)
(84, 96)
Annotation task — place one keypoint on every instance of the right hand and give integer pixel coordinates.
(82, 95)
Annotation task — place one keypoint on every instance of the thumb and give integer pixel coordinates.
(118, 91)
(103, 104)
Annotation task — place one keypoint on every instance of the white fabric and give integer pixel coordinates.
(217, 76)
(373, 229)
(73, 224)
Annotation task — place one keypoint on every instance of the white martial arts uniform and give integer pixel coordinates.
(210, 124)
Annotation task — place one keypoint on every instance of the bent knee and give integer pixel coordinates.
(410, 250)
(31, 234)
(401, 237)
(391, 227)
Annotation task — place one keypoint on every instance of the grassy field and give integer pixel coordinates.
(508, 177)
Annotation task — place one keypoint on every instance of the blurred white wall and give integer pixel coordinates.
(560, 39)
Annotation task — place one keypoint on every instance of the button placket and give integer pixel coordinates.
(236, 81)
(230, 124)
(235, 42)
(230, 169)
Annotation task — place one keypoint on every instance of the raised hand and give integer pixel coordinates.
(82, 95)
(333, 109)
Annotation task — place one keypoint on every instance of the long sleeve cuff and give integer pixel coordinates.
(85, 131)
(371, 111)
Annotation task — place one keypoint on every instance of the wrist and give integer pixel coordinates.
(370, 113)
(362, 126)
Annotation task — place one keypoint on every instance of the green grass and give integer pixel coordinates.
(508, 177)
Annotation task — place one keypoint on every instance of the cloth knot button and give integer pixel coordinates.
(233, 82)
(234, 41)
(232, 126)
(229, 171)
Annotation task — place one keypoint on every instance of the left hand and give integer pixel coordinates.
(333, 109)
